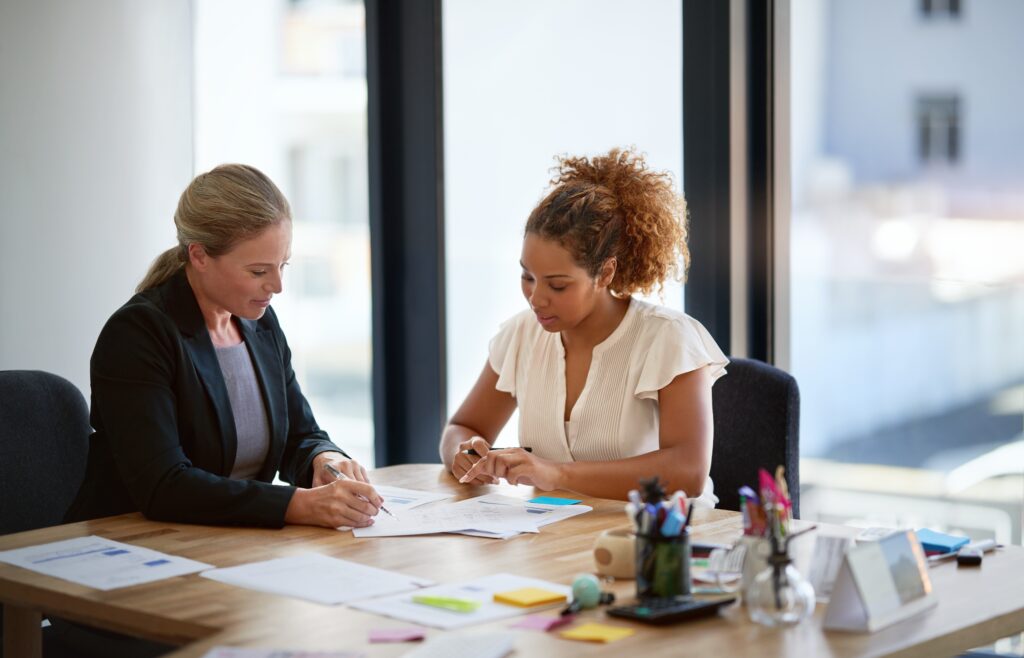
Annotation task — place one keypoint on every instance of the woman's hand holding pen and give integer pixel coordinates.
(334, 502)
(350, 467)
(340, 503)
(465, 459)
(517, 466)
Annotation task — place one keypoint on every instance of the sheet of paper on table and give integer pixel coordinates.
(101, 563)
(480, 591)
(543, 514)
(453, 517)
(318, 578)
(466, 645)
(239, 652)
(398, 499)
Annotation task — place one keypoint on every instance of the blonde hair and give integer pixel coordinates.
(219, 209)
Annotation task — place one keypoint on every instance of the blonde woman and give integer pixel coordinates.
(194, 401)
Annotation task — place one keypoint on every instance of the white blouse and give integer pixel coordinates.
(616, 415)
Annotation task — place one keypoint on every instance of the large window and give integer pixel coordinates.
(907, 278)
(281, 85)
(524, 82)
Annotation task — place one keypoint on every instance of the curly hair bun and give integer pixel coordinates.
(614, 206)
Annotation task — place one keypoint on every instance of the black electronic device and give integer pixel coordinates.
(969, 557)
(669, 611)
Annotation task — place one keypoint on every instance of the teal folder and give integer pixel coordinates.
(940, 542)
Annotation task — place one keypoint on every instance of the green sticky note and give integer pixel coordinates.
(552, 500)
(447, 603)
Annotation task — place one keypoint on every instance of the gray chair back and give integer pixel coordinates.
(757, 425)
(44, 438)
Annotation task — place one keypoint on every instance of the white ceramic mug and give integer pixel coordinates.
(615, 553)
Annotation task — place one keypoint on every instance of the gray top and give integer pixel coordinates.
(248, 410)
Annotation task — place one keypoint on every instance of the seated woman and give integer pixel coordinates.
(610, 389)
(194, 401)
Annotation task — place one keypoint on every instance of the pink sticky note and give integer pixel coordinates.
(396, 634)
(543, 622)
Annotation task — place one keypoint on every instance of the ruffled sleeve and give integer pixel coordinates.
(503, 353)
(681, 345)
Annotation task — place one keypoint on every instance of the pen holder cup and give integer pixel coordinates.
(662, 566)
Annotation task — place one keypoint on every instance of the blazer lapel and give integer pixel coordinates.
(181, 305)
(267, 363)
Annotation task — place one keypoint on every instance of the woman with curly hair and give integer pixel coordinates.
(610, 389)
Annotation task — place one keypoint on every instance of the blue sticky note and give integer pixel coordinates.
(551, 500)
(940, 542)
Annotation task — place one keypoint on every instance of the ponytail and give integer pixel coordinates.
(163, 268)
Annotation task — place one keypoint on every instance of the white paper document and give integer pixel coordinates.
(236, 652)
(542, 514)
(827, 558)
(481, 590)
(100, 563)
(398, 499)
(466, 645)
(318, 578)
(464, 515)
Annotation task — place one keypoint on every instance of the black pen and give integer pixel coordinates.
(338, 475)
(474, 453)
(686, 521)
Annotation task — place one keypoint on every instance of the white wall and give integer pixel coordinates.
(95, 147)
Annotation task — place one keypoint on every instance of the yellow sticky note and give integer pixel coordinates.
(597, 633)
(529, 596)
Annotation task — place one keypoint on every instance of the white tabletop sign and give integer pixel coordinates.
(879, 584)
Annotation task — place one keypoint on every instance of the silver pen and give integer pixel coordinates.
(338, 475)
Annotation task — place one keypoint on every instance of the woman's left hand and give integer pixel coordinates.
(517, 467)
(349, 467)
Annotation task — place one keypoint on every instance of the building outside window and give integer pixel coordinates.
(940, 8)
(907, 280)
(281, 85)
(938, 125)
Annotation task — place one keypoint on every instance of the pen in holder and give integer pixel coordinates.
(663, 566)
(662, 543)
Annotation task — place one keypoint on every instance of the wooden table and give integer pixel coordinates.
(976, 606)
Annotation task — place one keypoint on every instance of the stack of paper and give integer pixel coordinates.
(399, 499)
(494, 516)
(454, 517)
(542, 513)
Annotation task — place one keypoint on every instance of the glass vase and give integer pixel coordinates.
(779, 595)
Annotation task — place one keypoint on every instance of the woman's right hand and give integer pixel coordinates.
(463, 461)
(339, 503)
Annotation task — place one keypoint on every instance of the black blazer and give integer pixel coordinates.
(164, 440)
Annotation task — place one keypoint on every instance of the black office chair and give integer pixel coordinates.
(44, 439)
(757, 425)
